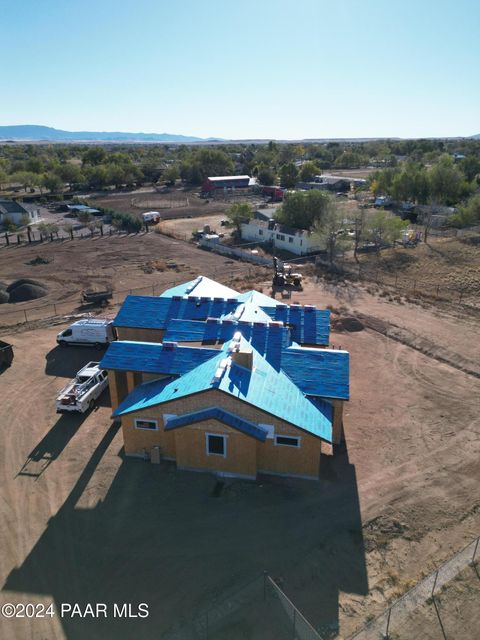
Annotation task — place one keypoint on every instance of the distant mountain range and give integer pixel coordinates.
(37, 133)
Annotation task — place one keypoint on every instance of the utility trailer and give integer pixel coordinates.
(96, 297)
(80, 393)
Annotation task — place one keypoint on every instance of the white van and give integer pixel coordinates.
(151, 216)
(93, 332)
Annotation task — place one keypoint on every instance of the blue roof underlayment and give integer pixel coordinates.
(268, 339)
(151, 357)
(318, 372)
(230, 419)
(308, 324)
(263, 386)
(149, 312)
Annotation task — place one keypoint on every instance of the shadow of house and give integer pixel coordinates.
(158, 537)
(65, 363)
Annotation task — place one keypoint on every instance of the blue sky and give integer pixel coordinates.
(264, 69)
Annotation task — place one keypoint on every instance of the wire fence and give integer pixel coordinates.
(300, 627)
(74, 304)
(262, 601)
(400, 285)
(402, 619)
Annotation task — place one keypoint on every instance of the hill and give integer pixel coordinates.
(36, 133)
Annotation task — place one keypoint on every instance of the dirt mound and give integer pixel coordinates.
(4, 296)
(348, 324)
(3, 286)
(26, 292)
(22, 281)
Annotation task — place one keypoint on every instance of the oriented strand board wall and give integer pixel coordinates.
(138, 440)
(191, 448)
(337, 421)
(304, 461)
(139, 335)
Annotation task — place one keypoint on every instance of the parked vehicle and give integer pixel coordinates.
(94, 332)
(151, 216)
(6, 354)
(96, 297)
(80, 394)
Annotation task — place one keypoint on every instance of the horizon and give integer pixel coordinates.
(353, 70)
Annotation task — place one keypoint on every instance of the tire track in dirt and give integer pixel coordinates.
(424, 345)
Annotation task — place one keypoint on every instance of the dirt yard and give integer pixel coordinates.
(122, 262)
(444, 266)
(175, 203)
(80, 523)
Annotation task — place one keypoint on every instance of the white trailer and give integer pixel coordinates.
(94, 332)
(80, 394)
(151, 216)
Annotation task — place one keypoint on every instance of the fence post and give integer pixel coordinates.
(25, 312)
(388, 623)
(434, 584)
(206, 625)
(265, 584)
(55, 309)
(294, 623)
(7, 239)
(475, 551)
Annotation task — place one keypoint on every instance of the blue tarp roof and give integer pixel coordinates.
(267, 339)
(318, 372)
(263, 386)
(151, 357)
(149, 312)
(260, 299)
(308, 324)
(232, 420)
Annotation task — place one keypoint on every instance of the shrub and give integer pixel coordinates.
(126, 222)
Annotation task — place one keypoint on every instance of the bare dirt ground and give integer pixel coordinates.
(186, 226)
(176, 203)
(444, 266)
(118, 261)
(82, 524)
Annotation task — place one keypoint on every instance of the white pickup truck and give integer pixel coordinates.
(80, 394)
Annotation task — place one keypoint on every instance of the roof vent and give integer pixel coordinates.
(176, 297)
(170, 346)
(218, 299)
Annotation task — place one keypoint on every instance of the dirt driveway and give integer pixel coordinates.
(80, 523)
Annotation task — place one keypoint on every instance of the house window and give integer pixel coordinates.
(216, 445)
(301, 242)
(290, 239)
(149, 425)
(260, 232)
(282, 237)
(287, 441)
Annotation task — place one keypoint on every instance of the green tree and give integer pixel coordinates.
(384, 228)
(171, 174)
(52, 182)
(308, 171)
(94, 156)
(238, 213)
(445, 181)
(330, 228)
(468, 214)
(266, 175)
(302, 209)
(288, 175)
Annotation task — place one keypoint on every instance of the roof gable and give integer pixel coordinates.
(228, 418)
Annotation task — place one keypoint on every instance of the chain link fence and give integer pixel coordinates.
(420, 605)
(301, 629)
